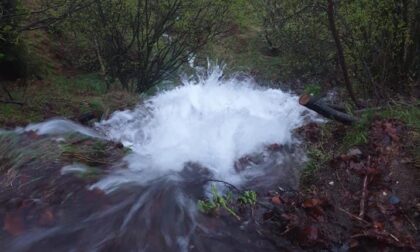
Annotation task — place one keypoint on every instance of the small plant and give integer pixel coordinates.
(216, 202)
(313, 89)
(318, 158)
(248, 198)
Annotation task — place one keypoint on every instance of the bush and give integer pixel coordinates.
(380, 39)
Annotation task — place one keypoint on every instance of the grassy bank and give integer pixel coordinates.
(332, 139)
(62, 96)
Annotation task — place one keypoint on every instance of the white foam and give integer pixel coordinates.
(211, 121)
(59, 126)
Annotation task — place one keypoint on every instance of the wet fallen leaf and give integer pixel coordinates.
(310, 203)
(46, 218)
(353, 243)
(378, 225)
(276, 200)
(292, 218)
(311, 233)
(317, 213)
(13, 223)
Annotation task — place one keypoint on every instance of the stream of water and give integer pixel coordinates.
(207, 128)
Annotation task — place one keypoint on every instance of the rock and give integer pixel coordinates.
(394, 200)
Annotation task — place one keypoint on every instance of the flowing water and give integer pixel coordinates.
(208, 128)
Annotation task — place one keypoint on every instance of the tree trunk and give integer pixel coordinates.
(6, 91)
(340, 51)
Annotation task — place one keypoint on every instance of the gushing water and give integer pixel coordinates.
(210, 127)
(211, 121)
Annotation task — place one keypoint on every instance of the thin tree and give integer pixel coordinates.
(340, 51)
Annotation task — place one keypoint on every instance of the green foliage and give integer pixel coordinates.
(87, 83)
(357, 135)
(248, 198)
(11, 16)
(318, 155)
(299, 32)
(142, 43)
(313, 89)
(380, 40)
(409, 114)
(17, 151)
(244, 13)
(217, 202)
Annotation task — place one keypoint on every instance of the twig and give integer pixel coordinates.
(12, 102)
(363, 199)
(353, 216)
(380, 237)
(7, 91)
(286, 231)
(340, 182)
(224, 182)
(411, 222)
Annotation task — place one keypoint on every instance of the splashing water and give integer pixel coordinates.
(209, 127)
(212, 121)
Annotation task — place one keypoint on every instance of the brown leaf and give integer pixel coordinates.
(378, 225)
(310, 203)
(292, 218)
(317, 213)
(46, 218)
(311, 233)
(353, 243)
(276, 200)
(13, 223)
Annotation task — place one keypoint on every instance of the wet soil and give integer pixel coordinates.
(364, 200)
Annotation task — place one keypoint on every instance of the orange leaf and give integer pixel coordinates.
(13, 223)
(310, 203)
(276, 200)
(46, 218)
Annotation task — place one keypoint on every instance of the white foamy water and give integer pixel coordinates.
(212, 121)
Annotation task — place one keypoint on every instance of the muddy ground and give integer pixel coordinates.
(366, 199)
(363, 199)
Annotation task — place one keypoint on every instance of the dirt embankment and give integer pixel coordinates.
(366, 198)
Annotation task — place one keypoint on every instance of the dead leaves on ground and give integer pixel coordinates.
(310, 219)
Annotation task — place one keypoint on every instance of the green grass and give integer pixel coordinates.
(318, 159)
(86, 83)
(409, 114)
(358, 134)
(17, 151)
(65, 97)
